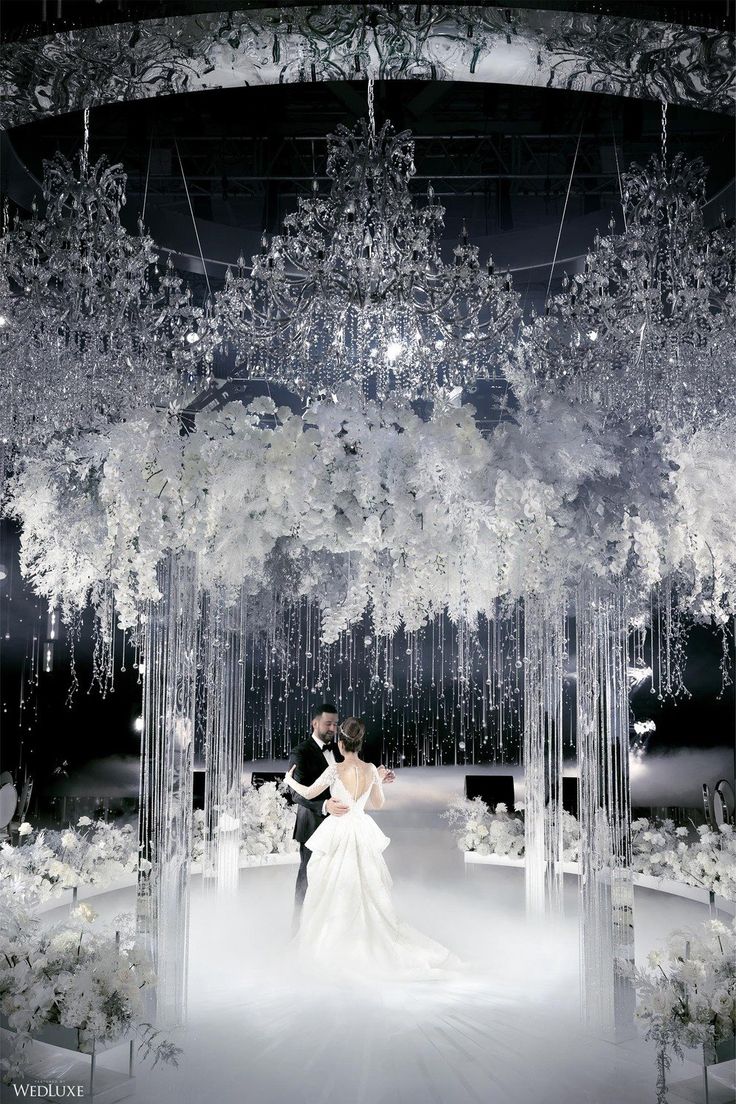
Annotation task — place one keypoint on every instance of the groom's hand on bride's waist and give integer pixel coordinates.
(333, 807)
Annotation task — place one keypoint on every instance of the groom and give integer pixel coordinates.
(310, 758)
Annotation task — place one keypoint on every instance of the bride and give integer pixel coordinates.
(348, 905)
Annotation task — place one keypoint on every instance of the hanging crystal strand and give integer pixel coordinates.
(555, 653)
(542, 645)
(169, 687)
(533, 758)
(606, 923)
(224, 747)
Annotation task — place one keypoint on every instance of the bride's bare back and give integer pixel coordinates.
(356, 777)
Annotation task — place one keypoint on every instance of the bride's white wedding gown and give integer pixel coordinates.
(348, 907)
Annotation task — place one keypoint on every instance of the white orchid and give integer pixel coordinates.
(686, 995)
(70, 974)
(413, 505)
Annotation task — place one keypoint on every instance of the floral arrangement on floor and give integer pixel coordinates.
(75, 975)
(659, 849)
(198, 832)
(267, 821)
(687, 994)
(485, 832)
(500, 832)
(266, 824)
(663, 851)
(47, 862)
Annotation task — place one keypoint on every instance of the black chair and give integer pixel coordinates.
(570, 795)
(259, 778)
(491, 788)
(198, 789)
(21, 811)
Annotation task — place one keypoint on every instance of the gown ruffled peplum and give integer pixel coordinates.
(348, 909)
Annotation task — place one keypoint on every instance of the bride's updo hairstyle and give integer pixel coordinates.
(351, 733)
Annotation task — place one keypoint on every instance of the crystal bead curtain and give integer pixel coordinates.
(169, 657)
(606, 886)
(545, 652)
(225, 631)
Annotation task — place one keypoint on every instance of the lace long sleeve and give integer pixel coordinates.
(377, 798)
(318, 787)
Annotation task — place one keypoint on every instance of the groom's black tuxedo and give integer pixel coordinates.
(310, 762)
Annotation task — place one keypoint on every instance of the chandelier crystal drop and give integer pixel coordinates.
(646, 331)
(355, 289)
(88, 321)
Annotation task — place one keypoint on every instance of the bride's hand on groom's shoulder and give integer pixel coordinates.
(387, 776)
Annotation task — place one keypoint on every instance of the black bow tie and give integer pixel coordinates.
(327, 747)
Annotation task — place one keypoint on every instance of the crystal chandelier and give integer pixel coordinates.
(88, 323)
(646, 331)
(355, 289)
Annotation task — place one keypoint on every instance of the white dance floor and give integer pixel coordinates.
(508, 1033)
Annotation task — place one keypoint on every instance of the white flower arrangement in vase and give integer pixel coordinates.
(47, 862)
(687, 994)
(661, 850)
(485, 832)
(76, 976)
(266, 821)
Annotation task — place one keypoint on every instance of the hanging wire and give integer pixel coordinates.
(194, 221)
(564, 211)
(148, 173)
(371, 107)
(618, 174)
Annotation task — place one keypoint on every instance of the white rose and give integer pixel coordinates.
(84, 822)
(482, 831)
(25, 829)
